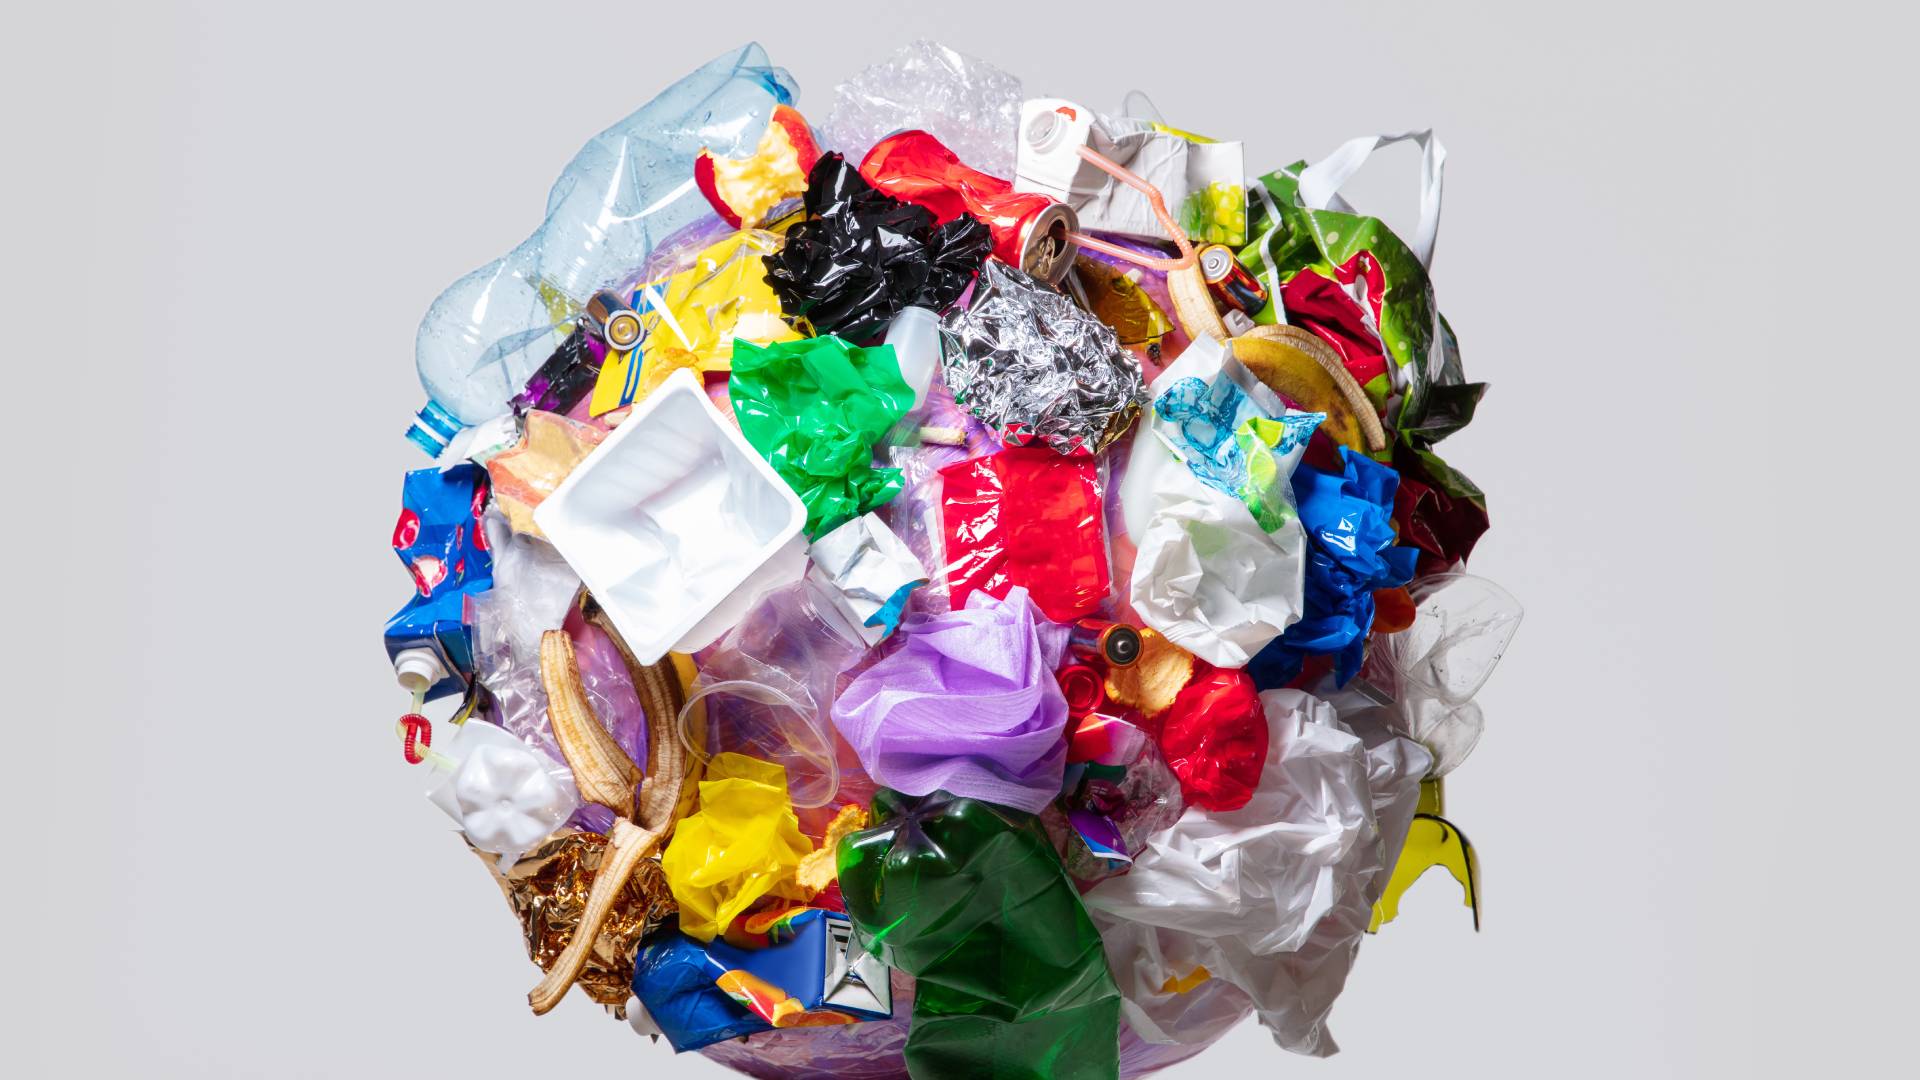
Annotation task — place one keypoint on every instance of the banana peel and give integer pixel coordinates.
(1193, 304)
(602, 768)
(1301, 368)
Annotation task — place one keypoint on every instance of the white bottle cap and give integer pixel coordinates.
(1045, 130)
(418, 669)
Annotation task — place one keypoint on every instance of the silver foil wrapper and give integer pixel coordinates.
(1036, 368)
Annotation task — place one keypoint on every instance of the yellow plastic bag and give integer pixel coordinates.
(742, 844)
(693, 318)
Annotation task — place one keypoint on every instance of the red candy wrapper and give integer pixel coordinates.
(1215, 739)
(1027, 516)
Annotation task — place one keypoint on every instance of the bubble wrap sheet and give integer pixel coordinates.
(968, 104)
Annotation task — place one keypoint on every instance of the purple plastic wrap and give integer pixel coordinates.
(870, 1050)
(966, 704)
(609, 689)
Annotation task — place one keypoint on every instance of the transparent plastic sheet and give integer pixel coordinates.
(914, 514)
(1134, 807)
(1462, 625)
(966, 103)
(533, 593)
(1273, 897)
(603, 674)
(628, 188)
(769, 684)
(533, 589)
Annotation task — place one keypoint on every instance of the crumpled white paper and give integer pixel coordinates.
(1272, 899)
(871, 571)
(1207, 576)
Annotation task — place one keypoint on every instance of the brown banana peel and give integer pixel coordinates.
(606, 775)
(601, 769)
(1298, 366)
(1193, 304)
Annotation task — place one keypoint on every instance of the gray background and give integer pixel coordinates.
(1675, 241)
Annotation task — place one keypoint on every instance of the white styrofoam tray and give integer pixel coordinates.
(671, 516)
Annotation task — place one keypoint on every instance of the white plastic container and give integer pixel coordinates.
(670, 517)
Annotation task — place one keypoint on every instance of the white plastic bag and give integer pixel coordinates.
(1271, 898)
(1206, 576)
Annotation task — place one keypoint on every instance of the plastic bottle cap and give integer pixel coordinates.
(418, 669)
(1045, 130)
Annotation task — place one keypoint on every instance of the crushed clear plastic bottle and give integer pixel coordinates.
(628, 190)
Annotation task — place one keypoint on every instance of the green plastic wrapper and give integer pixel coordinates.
(1319, 255)
(970, 899)
(814, 408)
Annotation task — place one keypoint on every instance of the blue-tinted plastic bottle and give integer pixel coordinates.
(628, 189)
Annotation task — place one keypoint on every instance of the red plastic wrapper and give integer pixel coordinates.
(915, 167)
(1327, 307)
(1443, 525)
(1215, 739)
(1027, 516)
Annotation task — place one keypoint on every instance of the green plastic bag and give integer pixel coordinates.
(970, 899)
(1350, 280)
(814, 408)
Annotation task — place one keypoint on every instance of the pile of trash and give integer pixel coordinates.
(966, 587)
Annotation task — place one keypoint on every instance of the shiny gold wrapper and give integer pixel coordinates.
(1152, 682)
(548, 890)
(1118, 300)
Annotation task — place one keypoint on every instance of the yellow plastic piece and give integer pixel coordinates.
(819, 869)
(1432, 841)
(742, 844)
(698, 314)
(1175, 985)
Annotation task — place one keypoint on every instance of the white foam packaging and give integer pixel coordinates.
(675, 523)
